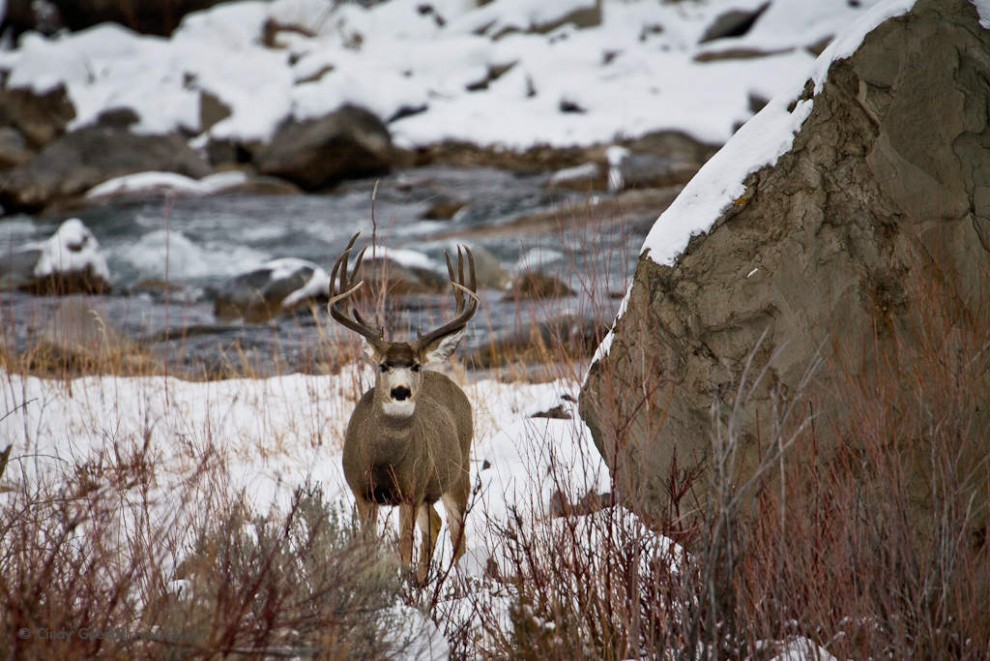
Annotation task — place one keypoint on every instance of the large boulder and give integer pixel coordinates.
(866, 243)
(78, 161)
(277, 287)
(159, 17)
(346, 144)
(40, 116)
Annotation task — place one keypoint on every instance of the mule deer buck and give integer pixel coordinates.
(408, 442)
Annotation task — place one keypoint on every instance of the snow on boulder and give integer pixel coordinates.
(69, 262)
(277, 287)
(844, 222)
(145, 183)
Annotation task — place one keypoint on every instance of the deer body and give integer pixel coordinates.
(384, 455)
(408, 442)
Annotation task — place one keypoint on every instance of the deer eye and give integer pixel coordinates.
(415, 367)
(383, 367)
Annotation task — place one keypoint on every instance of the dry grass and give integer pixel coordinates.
(102, 563)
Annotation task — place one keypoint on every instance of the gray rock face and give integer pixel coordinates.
(347, 144)
(865, 241)
(80, 160)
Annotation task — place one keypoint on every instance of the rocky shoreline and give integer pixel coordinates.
(46, 170)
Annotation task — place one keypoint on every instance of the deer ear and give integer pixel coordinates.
(440, 349)
(371, 351)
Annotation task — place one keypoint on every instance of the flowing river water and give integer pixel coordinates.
(169, 257)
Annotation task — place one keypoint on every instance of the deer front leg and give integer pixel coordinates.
(455, 504)
(368, 514)
(407, 521)
(429, 526)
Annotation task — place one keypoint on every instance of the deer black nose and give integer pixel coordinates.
(401, 393)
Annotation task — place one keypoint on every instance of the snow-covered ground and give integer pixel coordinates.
(272, 435)
(483, 75)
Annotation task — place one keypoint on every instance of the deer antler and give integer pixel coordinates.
(345, 290)
(464, 310)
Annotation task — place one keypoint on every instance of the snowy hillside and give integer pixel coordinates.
(513, 73)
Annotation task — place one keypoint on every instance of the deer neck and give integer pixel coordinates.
(398, 427)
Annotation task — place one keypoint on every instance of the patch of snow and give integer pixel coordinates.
(615, 155)
(803, 649)
(501, 15)
(719, 183)
(576, 173)
(849, 40)
(233, 26)
(72, 249)
(536, 258)
(317, 285)
(168, 182)
(412, 259)
(416, 636)
(792, 24)
(983, 9)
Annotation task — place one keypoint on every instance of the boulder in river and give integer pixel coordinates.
(533, 285)
(78, 161)
(314, 154)
(69, 262)
(278, 287)
(144, 16)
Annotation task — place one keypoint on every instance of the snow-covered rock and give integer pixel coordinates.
(167, 182)
(70, 261)
(277, 287)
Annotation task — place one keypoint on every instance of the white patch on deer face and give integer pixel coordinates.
(398, 387)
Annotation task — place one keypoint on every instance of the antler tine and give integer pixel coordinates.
(473, 285)
(463, 310)
(458, 296)
(340, 274)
